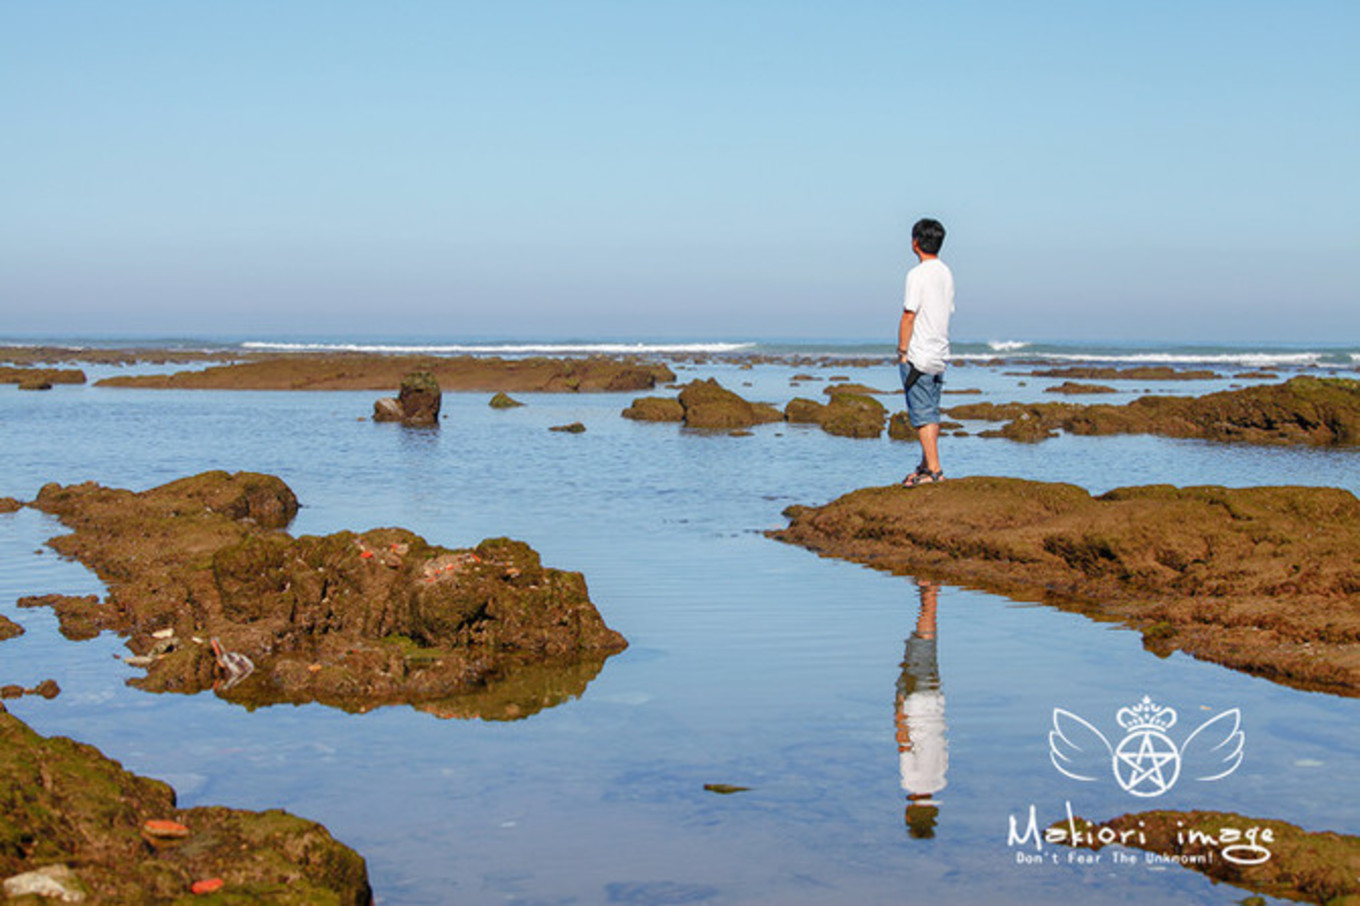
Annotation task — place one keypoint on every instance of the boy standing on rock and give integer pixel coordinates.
(923, 344)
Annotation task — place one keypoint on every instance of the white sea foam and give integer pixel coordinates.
(508, 348)
(1251, 359)
(1006, 345)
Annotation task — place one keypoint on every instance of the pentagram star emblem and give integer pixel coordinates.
(1147, 763)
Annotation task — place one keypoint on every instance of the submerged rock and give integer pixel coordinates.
(1263, 580)
(350, 620)
(72, 829)
(573, 428)
(1304, 410)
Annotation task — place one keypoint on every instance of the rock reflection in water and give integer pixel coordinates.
(923, 750)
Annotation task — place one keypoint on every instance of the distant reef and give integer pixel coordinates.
(357, 371)
(1263, 580)
(1304, 410)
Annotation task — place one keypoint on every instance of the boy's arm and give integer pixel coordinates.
(904, 334)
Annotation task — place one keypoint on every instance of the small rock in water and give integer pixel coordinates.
(725, 789)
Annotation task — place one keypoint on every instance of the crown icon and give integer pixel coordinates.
(1146, 715)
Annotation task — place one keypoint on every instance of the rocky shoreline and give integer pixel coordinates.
(76, 827)
(1263, 580)
(210, 592)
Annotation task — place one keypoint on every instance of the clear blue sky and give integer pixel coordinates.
(1177, 171)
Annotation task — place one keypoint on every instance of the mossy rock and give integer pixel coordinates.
(504, 401)
(655, 409)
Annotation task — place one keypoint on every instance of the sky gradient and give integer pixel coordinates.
(1152, 171)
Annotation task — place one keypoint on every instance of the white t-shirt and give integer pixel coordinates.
(930, 293)
(924, 764)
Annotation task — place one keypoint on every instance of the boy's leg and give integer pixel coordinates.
(930, 445)
(923, 410)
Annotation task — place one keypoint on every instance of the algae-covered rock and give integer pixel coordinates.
(1263, 580)
(10, 505)
(63, 803)
(420, 399)
(1074, 388)
(572, 428)
(9, 629)
(351, 620)
(504, 401)
(1304, 410)
(803, 411)
(1264, 855)
(900, 427)
(854, 415)
(655, 409)
(707, 404)
(846, 415)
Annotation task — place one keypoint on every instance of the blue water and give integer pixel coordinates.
(751, 662)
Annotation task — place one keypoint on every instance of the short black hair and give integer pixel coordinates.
(928, 235)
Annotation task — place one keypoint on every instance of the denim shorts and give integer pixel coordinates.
(923, 399)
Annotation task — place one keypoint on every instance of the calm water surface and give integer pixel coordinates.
(751, 663)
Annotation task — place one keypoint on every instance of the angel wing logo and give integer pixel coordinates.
(1146, 762)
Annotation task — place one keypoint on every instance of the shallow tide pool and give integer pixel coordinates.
(751, 663)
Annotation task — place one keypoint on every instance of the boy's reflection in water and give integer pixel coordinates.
(922, 749)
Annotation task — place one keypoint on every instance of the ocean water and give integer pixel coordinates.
(751, 663)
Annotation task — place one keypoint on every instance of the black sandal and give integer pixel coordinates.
(922, 476)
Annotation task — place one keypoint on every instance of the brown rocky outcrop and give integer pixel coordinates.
(504, 401)
(40, 378)
(9, 629)
(708, 404)
(350, 620)
(1263, 580)
(358, 371)
(1304, 410)
(655, 409)
(1073, 388)
(846, 415)
(113, 837)
(417, 404)
(1315, 867)
(10, 505)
